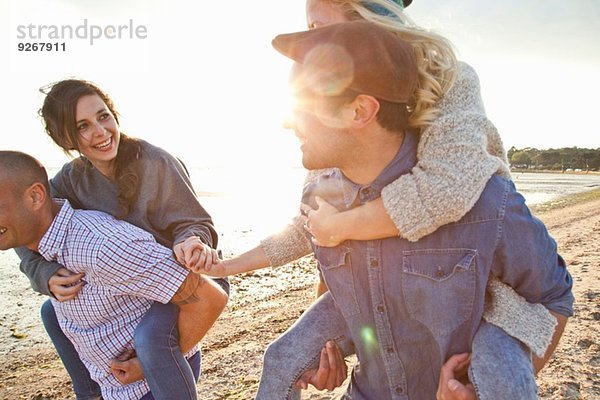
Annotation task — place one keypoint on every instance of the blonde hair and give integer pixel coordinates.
(436, 60)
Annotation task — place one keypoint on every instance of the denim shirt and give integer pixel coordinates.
(411, 305)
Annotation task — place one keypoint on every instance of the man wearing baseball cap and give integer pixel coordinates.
(408, 306)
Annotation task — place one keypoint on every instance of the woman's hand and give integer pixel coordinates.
(323, 223)
(126, 368)
(195, 255)
(65, 285)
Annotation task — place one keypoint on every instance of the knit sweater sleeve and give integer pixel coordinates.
(287, 245)
(457, 155)
(292, 242)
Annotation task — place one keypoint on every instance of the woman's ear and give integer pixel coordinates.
(365, 109)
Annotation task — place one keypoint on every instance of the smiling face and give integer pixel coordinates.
(98, 133)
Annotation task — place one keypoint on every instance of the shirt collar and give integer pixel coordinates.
(401, 164)
(53, 240)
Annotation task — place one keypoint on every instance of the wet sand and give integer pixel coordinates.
(264, 304)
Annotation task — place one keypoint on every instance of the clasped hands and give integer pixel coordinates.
(195, 255)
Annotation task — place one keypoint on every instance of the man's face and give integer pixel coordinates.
(319, 125)
(16, 220)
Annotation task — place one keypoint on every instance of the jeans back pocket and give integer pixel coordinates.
(438, 287)
(336, 268)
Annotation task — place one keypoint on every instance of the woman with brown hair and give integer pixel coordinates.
(142, 184)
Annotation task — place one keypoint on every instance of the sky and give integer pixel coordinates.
(205, 83)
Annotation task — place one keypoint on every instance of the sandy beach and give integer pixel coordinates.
(264, 304)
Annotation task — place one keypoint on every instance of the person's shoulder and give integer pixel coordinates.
(495, 195)
(491, 204)
(464, 97)
(105, 227)
(75, 166)
(70, 172)
(90, 226)
(467, 82)
(467, 74)
(152, 154)
(152, 150)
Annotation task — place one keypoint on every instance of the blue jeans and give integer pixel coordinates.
(501, 366)
(167, 372)
(194, 363)
(299, 348)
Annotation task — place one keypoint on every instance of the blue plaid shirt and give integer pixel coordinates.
(410, 305)
(126, 271)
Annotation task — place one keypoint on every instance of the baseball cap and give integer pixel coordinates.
(383, 10)
(357, 56)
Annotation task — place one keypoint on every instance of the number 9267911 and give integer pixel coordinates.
(41, 46)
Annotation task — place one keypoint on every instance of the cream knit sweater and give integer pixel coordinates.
(457, 154)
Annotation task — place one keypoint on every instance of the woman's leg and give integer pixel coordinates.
(83, 385)
(156, 341)
(501, 366)
(194, 363)
(298, 349)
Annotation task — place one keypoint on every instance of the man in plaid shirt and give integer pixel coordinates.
(125, 271)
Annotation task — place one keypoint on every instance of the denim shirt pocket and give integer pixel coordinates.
(336, 268)
(439, 286)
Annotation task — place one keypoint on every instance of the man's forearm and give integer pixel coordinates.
(200, 302)
(538, 363)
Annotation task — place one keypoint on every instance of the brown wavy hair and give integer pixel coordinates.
(60, 120)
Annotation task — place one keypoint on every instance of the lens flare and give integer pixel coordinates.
(369, 338)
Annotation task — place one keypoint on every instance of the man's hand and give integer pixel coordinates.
(195, 255)
(126, 368)
(450, 388)
(321, 223)
(65, 285)
(330, 374)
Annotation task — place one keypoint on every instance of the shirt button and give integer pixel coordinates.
(390, 350)
(440, 273)
(380, 308)
(366, 191)
(399, 390)
(374, 263)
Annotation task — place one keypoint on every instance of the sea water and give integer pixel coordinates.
(250, 203)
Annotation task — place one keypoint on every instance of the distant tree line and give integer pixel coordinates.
(565, 159)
